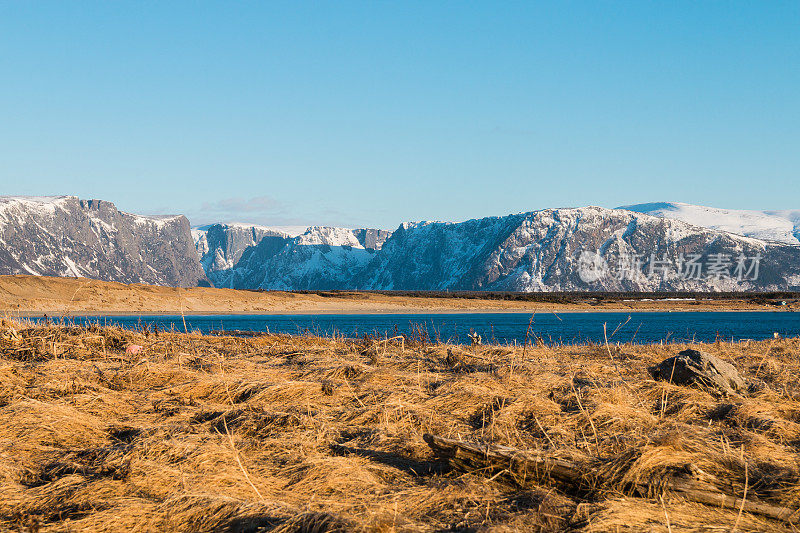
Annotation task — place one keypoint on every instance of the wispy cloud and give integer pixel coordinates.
(264, 210)
(257, 204)
(269, 211)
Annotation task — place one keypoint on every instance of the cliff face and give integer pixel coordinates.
(253, 257)
(319, 259)
(66, 236)
(221, 247)
(579, 249)
(587, 248)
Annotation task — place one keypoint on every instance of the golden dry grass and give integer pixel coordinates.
(275, 433)
(36, 295)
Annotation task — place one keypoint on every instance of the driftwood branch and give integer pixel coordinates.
(524, 468)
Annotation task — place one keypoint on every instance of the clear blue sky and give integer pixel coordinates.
(369, 114)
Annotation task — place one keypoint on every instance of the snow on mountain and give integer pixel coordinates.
(779, 226)
(543, 251)
(292, 231)
(66, 236)
(792, 216)
(536, 251)
(588, 248)
(221, 246)
(321, 257)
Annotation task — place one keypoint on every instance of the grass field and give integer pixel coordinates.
(38, 295)
(271, 433)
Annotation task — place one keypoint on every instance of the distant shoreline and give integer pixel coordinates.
(36, 296)
(421, 311)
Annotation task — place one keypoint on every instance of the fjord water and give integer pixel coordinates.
(503, 328)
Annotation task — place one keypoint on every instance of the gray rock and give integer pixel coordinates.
(226, 250)
(700, 369)
(321, 258)
(66, 236)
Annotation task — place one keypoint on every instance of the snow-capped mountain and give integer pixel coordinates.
(321, 258)
(258, 257)
(548, 250)
(587, 248)
(537, 251)
(66, 236)
(780, 226)
(221, 246)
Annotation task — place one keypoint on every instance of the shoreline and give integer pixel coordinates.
(36, 296)
(388, 312)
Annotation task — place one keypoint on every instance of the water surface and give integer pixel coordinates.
(504, 328)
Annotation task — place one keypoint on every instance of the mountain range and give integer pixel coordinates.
(657, 246)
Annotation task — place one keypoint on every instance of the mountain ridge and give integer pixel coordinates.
(533, 251)
(67, 236)
(565, 249)
(781, 226)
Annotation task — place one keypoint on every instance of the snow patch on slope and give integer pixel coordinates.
(290, 231)
(777, 226)
(158, 220)
(72, 268)
(321, 235)
(37, 205)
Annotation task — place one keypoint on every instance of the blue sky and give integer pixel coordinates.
(369, 114)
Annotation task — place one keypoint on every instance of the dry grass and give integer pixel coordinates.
(273, 433)
(37, 295)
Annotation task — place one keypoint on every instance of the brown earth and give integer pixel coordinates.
(109, 430)
(36, 295)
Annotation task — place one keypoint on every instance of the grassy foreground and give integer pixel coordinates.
(199, 433)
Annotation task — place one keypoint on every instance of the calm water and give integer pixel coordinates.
(568, 328)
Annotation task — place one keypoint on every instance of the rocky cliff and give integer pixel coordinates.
(243, 257)
(587, 248)
(590, 248)
(66, 236)
(221, 247)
